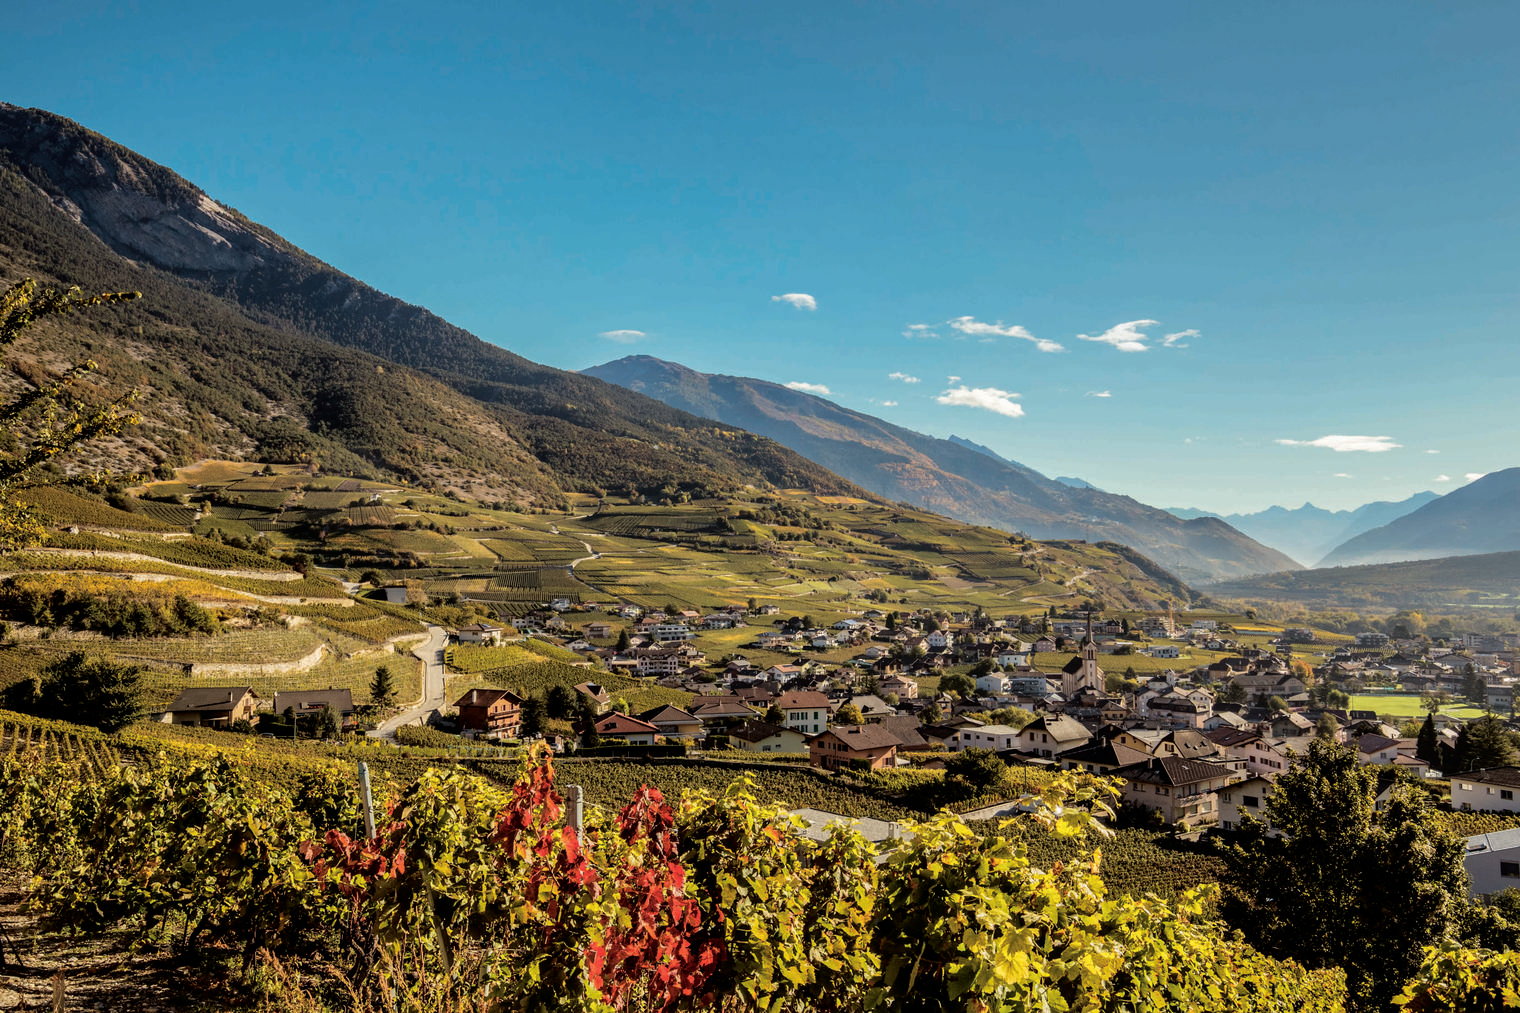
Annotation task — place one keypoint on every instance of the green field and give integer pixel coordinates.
(1407, 705)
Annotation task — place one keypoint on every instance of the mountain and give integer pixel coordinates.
(244, 345)
(1308, 532)
(953, 477)
(1074, 482)
(1480, 517)
(1490, 580)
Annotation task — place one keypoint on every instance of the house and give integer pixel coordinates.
(491, 713)
(993, 683)
(1261, 756)
(1101, 756)
(673, 722)
(1051, 734)
(1491, 789)
(1163, 651)
(761, 737)
(668, 632)
(906, 728)
(596, 694)
(904, 687)
(1374, 748)
(599, 631)
(807, 711)
(1183, 791)
(1492, 861)
(626, 728)
(1245, 798)
(716, 711)
(653, 662)
(841, 746)
(309, 701)
(480, 633)
(871, 705)
(997, 738)
(940, 640)
(211, 706)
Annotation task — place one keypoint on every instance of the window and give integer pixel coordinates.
(1507, 795)
(1251, 800)
(1510, 870)
(1465, 787)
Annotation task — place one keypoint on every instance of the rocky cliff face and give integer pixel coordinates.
(139, 210)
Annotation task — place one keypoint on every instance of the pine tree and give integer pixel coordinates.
(622, 640)
(1427, 746)
(382, 688)
(87, 691)
(532, 717)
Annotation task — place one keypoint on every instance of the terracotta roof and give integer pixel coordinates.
(799, 699)
(624, 724)
(905, 727)
(1060, 727)
(756, 731)
(669, 712)
(1374, 743)
(485, 697)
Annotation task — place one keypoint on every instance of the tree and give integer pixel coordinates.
(560, 702)
(585, 723)
(327, 726)
(1348, 884)
(1276, 704)
(774, 715)
(1232, 692)
(532, 718)
(622, 640)
(849, 714)
(1481, 744)
(983, 667)
(931, 714)
(382, 688)
(891, 620)
(1428, 744)
(87, 691)
(1327, 727)
(959, 683)
(1433, 701)
(973, 772)
(46, 420)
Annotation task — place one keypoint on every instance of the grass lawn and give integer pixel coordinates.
(1407, 705)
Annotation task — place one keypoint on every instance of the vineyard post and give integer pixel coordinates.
(368, 800)
(575, 807)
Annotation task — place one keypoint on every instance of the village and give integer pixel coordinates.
(1195, 747)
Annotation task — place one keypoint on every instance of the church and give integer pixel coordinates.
(1082, 671)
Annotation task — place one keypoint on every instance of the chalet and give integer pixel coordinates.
(1291, 726)
(480, 633)
(841, 746)
(310, 701)
(721, 621)
(211, 706)
(599, 631)
(491, 713)
(998, 738)
(673, 722)
(761, 737)
(1374, 748)
(1184, 792)
(1051, 734)
(1495, 788)
(717, 711)
(904, 687)
(595, 694)
(806, 711)
(627, 728)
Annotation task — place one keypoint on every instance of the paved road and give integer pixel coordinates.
(430, 653)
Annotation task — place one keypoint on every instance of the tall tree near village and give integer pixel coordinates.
(1348, 884)
(1428, 745)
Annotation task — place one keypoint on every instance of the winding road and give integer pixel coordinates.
(430, 653)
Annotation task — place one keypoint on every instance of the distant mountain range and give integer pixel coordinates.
(954, 476)
(1490, 580)
(1310, 533)
(1480, 517)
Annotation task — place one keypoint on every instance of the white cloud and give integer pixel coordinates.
(1100, 393)
(904, 377)
(1340, 474)
(1175, 340)
(981, 329)
(920, 331)
(623, 337)
(1432, 451)
(1473, 476)
(952, 379)
(1343, 444)
(801, 300)
(988, 398)
(889, 404)
(810, 388)
(1442, 478)
(1126, 337)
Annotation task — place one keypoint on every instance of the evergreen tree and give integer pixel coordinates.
(774, 715)
(560, 702)
(586, 724)
(532, 717)
(1348, 884)
(622, 640)
(1427, 745)
(327, 726)
(1481, 744)
(382, 688)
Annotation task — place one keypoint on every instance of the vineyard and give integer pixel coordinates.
(475, 894)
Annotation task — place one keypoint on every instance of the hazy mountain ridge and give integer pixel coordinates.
(1490, 580)
(954, 476)
(243, 333)
(1479, 518)
(1308, 533)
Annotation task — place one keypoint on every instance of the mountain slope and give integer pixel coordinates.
(954, 477)
(1308, 532)
(238, 345)
(1480, 517)
(1490, 580)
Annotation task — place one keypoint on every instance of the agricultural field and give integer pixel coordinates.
(1403, 706)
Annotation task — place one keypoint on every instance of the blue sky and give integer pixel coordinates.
(1324, 192)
